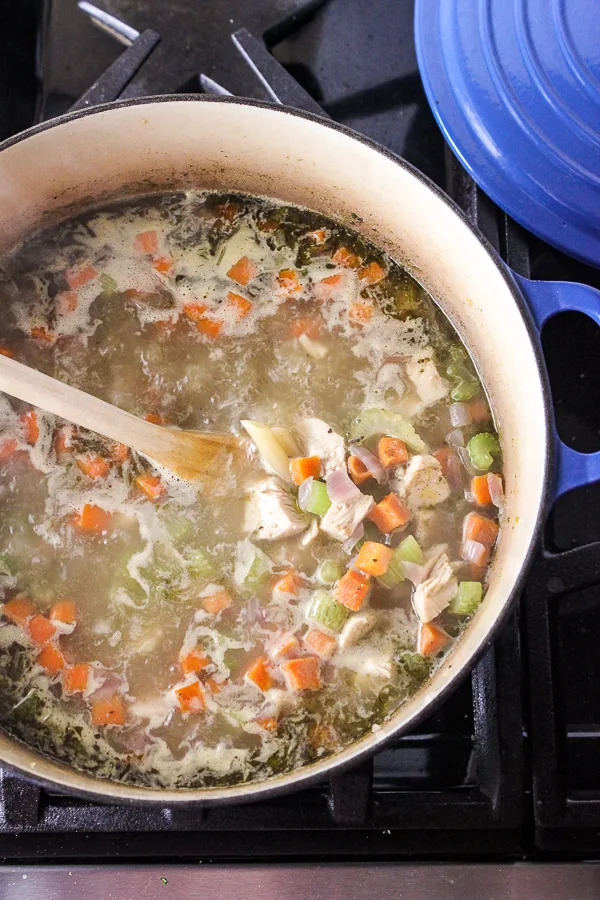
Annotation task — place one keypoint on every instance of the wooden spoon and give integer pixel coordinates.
(189, 454)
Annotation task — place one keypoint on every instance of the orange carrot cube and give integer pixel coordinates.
(290, 583)
(77, 277)
(93, 466)
(303, 467)
(392, 452)
(193, 661)
(191, 697)
(260, 675)
(432, 639)
(195, 311)
(66, 301)
(75, 678)
(243, 271)
(51, 659)
(481, 491)
(6, 351)
(372, 273)
(478, 528)
(210, 327)
(289, 282)
(151, 486)
(302, 674)
(64, 611)
(357, 470)
(304, 325)
(269, 723)
(361, 313)
(41, 630)
(146, 242)
(163, 264)
(320, 643)
(240, 305)
(19, 610)
(8, 447)
(31, 429)
(351, 589)
(120, 452)
(373, 558)
(215, 603)
(93, 519)
(63, 442)
(108, 712)
(42, 335)
(345, 257)
(287, 646)
(389, 514)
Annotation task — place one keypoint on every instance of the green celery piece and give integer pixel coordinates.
(481, 449)
(326, 611)
(7, 564)
(408, 551)
(318, 501)
(200, 563)
(383, 421)
(252, 566)
(329, 571)
(108, 283)
(467, 599)
(180, 530)
(467, 385)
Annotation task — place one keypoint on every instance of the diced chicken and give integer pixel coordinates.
(314, 348)
(424, 484)
(433, 595)
(321, 440)
(312, 533)
(271, 513)
(430, 386)
(342, 519)
(378, 666)
(424, 521)
(356, 628)
(278, 701)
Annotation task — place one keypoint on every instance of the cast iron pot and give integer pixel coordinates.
(161, 144)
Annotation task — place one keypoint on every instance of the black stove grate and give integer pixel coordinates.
(500, 769)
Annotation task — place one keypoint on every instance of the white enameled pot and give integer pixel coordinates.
(166, 143)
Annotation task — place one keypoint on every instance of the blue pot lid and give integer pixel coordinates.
(515, 87)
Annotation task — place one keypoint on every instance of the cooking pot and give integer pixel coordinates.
(167, 143)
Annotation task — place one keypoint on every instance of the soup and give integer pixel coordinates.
(187, 635)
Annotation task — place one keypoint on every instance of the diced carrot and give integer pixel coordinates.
(268, 225)
(390, 513)
(77, 277)
(214, 686)
(120, 452)
(240, 305)
(478, 528)
(210, 327)
(108, 712)
(443, 455)
(289, 282)
(322, 644)
(475, 573)
(302, 673)
(192, 661)
(29, 423)
(260, 675)
(151, 486)
(155, 419)
(42, 334)
(288, 645)
(6, 351)
(243, 271)
(358, 471)
(41, 630)
(93, 466)
(195, 311)
(345, 257)
(216, 602)
(373, 558)
(332, 280)
(290, 583)
(372, 273)
(191, 697)
(269, 723)
(146, 242)
(303, 467)
(227, 211)
(63, 442)
(305, 325)
(480, 411)
(75, 678)
(64, 611)
(163, 264)
(8, 447)
(93, 518)
(19, 610)
(322, 736)
(66, 301)
(392, 452)
(360, 313)
(351, 589)
(432, 639)
(480, 490)
(51, 659)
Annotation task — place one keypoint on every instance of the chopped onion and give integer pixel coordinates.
(454, 473)
(304, 492)
(456, 438)
(287, 440)
(460, 414)
(473, 552)
(466, 460)
(496, 490)
(252, 610)
(269, 448)
(415, 573)
(340, 486)
(354, 538)
(368, 458)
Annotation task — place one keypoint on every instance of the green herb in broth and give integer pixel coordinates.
(160, 635)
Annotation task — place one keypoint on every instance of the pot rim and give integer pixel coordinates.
(108, 791)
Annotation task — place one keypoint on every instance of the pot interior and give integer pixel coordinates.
(176, 143)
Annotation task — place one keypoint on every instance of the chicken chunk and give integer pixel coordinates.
(430, 386)
(423, 483)
(433, 595)
(356, 628)
(271, 513)
(378, 666)
(342, 519)
(321, 440)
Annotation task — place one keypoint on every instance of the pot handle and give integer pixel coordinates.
(546, 299)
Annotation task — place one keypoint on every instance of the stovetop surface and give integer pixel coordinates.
(508, 767)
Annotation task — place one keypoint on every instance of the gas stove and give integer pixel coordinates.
(508, 768)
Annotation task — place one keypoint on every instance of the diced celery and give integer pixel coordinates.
(481, 449)
(200, 563)
(329, 571)
(383, 421)
(317, 500)
(180, 530)
(326, 611)
(468, 598)
(7, 564)
(467, 385)
(408, 551)
(108, 283)
(251, 567)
